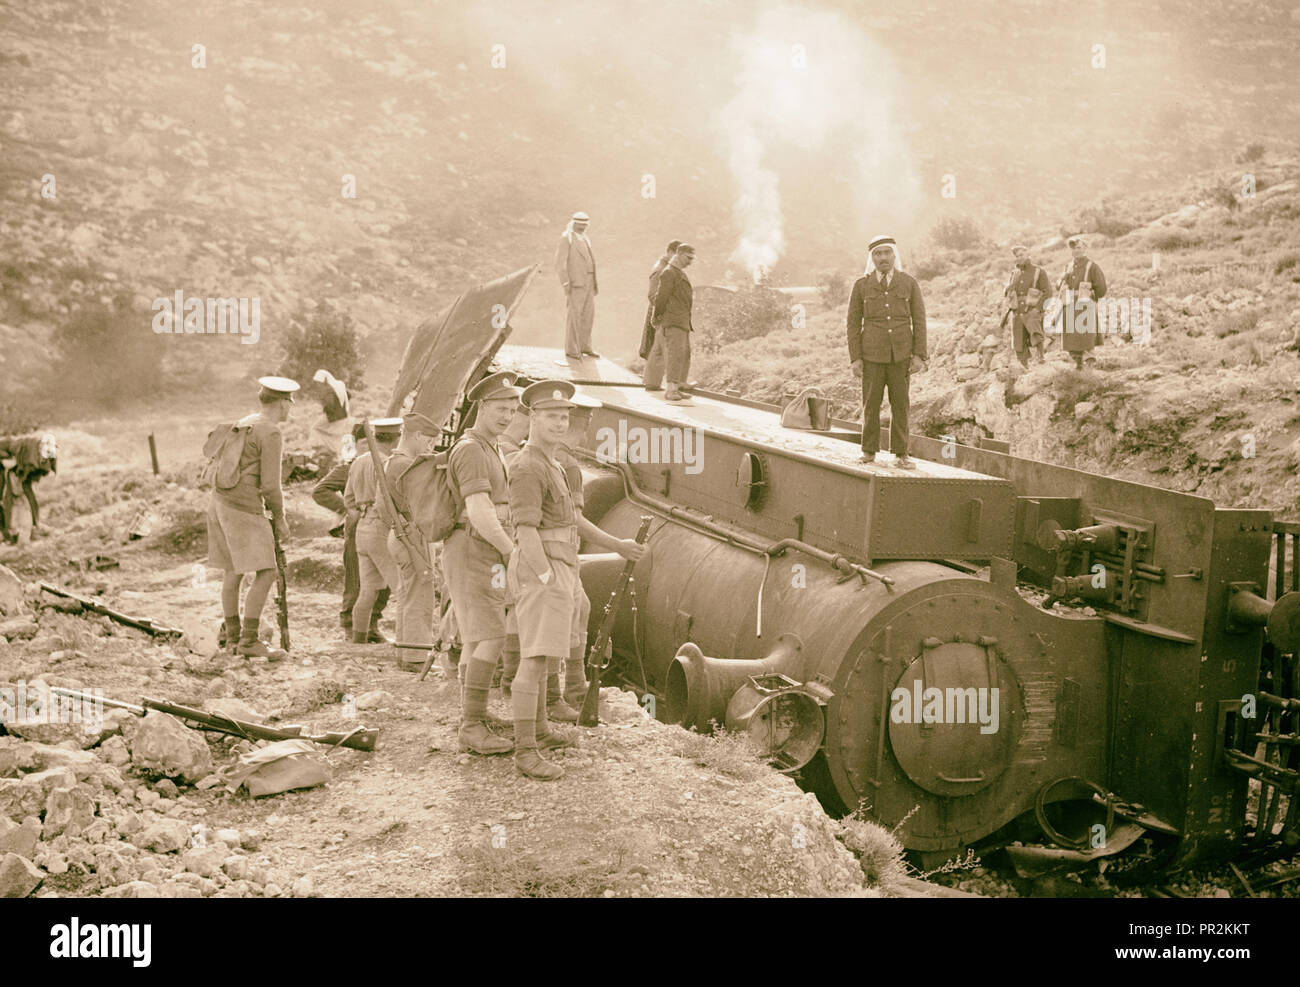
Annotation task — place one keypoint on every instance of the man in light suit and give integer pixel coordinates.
(575, 264)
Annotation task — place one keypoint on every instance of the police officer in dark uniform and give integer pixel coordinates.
(1082, 285)
(886, 345)
(1024, 299)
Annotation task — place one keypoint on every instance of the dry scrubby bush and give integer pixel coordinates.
(1286, 263)
(754, 310)
(929, 266)
(1169, 240)
(878, 851)
(96, 336)
(1251, 152)
(953, 233)
(731, 754)
(19, 417)
(834, 288)
(1232, 323)
(322, 337)
(1104, 218)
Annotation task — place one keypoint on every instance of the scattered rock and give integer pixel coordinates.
(161, 745)
(1084, 408)
(18, 628)
(115, 752)
(111, 867)
(167, 788)
(68, 810)
(304, 887)
(236, 708)
(164, 836)
(19, 839)
(25, 796)
(133, 889)
(204, 861)
(200, 637)
(211, 781)
(18, 876)
(12, 603)
(373, 700)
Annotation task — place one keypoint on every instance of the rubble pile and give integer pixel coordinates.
(108, 812)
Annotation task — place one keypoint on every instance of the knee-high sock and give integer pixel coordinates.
(525, 694)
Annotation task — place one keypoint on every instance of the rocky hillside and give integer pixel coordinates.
(147, 148)
(1211, 405)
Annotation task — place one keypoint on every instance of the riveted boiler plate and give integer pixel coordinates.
(953, 730)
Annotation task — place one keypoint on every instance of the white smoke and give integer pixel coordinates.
(805, 80)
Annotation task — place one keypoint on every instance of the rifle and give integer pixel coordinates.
(602, 649)
(281, 589)
(401, 522)
(359, 739)
(139, 623)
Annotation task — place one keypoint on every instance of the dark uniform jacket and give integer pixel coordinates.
(886, 325)
(673, 300)
(328, 491)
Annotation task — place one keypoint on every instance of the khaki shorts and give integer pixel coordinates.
(581, 615)
(238, 541)
(544, 611)
(478, 592)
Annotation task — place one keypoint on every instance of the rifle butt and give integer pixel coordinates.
(589, 715)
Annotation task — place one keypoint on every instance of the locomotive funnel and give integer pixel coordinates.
(699, 688)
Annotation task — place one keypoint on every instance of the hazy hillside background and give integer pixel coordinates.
(226, 180)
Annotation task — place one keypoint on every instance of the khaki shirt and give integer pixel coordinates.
(259, 472)
(362, 487)
(474, 466)
(540, 498)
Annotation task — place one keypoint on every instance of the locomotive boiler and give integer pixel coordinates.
(968, 649)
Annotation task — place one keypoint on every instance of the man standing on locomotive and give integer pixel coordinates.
(886, 335)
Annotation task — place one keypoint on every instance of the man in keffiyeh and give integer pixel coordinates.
(575, 265)
(887, 344)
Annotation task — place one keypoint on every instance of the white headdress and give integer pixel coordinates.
(882, 241)
(335, 385)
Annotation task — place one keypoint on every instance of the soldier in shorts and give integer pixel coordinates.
(377, 568)
(239, 535)
(475, 553)
(544, 567)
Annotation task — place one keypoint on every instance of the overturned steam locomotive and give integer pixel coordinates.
(984, 648)
(984, 645)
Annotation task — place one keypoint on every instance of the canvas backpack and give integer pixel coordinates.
(223, 450)
(432, 504)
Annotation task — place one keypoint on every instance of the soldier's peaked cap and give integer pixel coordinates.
(547, 394)
(495, 387)
(386, 426)
(581, 217)
(881, 241)
(281, 387)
